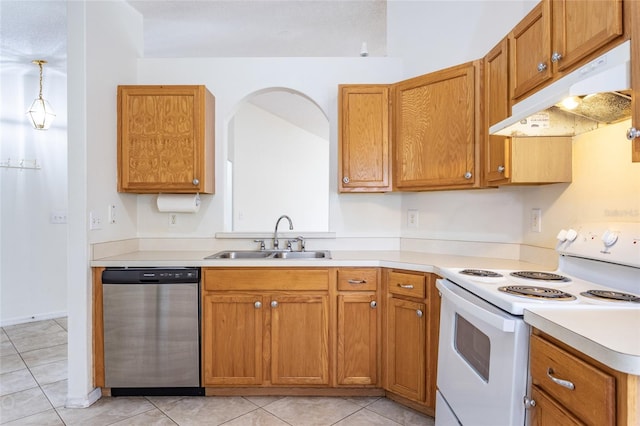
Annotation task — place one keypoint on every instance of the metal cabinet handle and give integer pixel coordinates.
(373, 304)
(274, 303)
(556, 57)
(528, 402)
(258, 305)
(542, 66)
(346, 179)
(564, 383)
(468, 175)
(633, 133)
(419, 313)
(357, 281)
(500, 169)
(407, 286)
(195, 182)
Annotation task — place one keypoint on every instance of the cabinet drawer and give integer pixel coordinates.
(407, 284)
(265, 279)
(593, 397)
(358, 279)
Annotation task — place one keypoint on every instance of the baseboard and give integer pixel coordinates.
(32, 318)
(84, 402)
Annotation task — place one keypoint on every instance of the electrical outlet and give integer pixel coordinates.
(95, 221)
(58, 217)
(412, 218)
(111, 209)
(173, 219)
(535, 224)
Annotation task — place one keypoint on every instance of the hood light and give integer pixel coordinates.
(571, 102)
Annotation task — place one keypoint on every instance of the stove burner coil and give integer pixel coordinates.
(537, 275)
(480, 273)
(611, 295)
(537, 292)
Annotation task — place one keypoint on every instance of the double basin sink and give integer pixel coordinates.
(271, 254)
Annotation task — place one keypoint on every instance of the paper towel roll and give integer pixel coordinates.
(179, 203)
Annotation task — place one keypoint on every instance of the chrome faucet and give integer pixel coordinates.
(276, 244)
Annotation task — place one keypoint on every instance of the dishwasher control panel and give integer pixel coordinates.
(150, 275)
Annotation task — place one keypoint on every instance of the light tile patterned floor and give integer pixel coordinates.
(33, 386)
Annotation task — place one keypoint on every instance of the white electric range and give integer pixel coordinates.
(484, 341)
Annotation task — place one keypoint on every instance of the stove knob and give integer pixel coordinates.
(572, 234)
(609, 238)
(562, 235)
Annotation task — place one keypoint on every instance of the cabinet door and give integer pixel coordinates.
(530, 51)
(300, 339)
(364, 138)
(548, 412)
(635, 81)
(581, 27)
(406, 348)
(435, 130)
(232, 339)
(357, 339)
(165, 134)
(497, 159)
(496, 81)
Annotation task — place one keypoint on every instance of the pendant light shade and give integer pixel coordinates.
(40, 112)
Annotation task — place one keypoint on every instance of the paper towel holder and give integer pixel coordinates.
(178, 203)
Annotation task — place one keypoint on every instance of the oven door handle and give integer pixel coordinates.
(503, 323)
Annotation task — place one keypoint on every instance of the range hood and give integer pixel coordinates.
(599, 88)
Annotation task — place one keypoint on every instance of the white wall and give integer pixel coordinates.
(434, 34)
(104, 40)
(33, 275)
(605, 187)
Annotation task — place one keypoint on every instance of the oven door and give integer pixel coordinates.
(482, 359)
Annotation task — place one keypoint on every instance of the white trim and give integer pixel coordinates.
(33, 318)
(92, 397)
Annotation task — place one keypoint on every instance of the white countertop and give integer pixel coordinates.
(611, 336)
(608, 335)
(418, 261)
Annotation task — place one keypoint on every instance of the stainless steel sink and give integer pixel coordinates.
(302, 255)
(270, 254)
(239, 254)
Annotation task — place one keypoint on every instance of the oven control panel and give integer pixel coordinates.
(617, 242)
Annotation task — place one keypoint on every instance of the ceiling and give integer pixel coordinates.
(210, 28)
(235, 28)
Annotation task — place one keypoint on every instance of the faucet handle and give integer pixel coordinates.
(262, 246)
(302, 243)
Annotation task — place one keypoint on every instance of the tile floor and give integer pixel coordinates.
(33, 385)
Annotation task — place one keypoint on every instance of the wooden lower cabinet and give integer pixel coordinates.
(358, 326)
(232, 339)
(406, 350)
(411, 338)
(255, 337)
(300, 339)
(570, 388)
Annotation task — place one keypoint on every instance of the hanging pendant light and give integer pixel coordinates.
(40, 112)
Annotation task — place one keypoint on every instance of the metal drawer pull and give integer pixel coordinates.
(357, 281)
(373, 304)
(274, 303)
(407, 286)
(419, 313)
(258, 305)
(564, 383)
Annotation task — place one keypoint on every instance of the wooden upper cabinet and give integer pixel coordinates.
(635, 81)
(436, 130)
(581, 27)
(364, 151)
(496, 83)
(530, 48)
(165, 139)
(557, 36)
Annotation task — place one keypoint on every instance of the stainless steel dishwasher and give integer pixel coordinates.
(151, 331)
